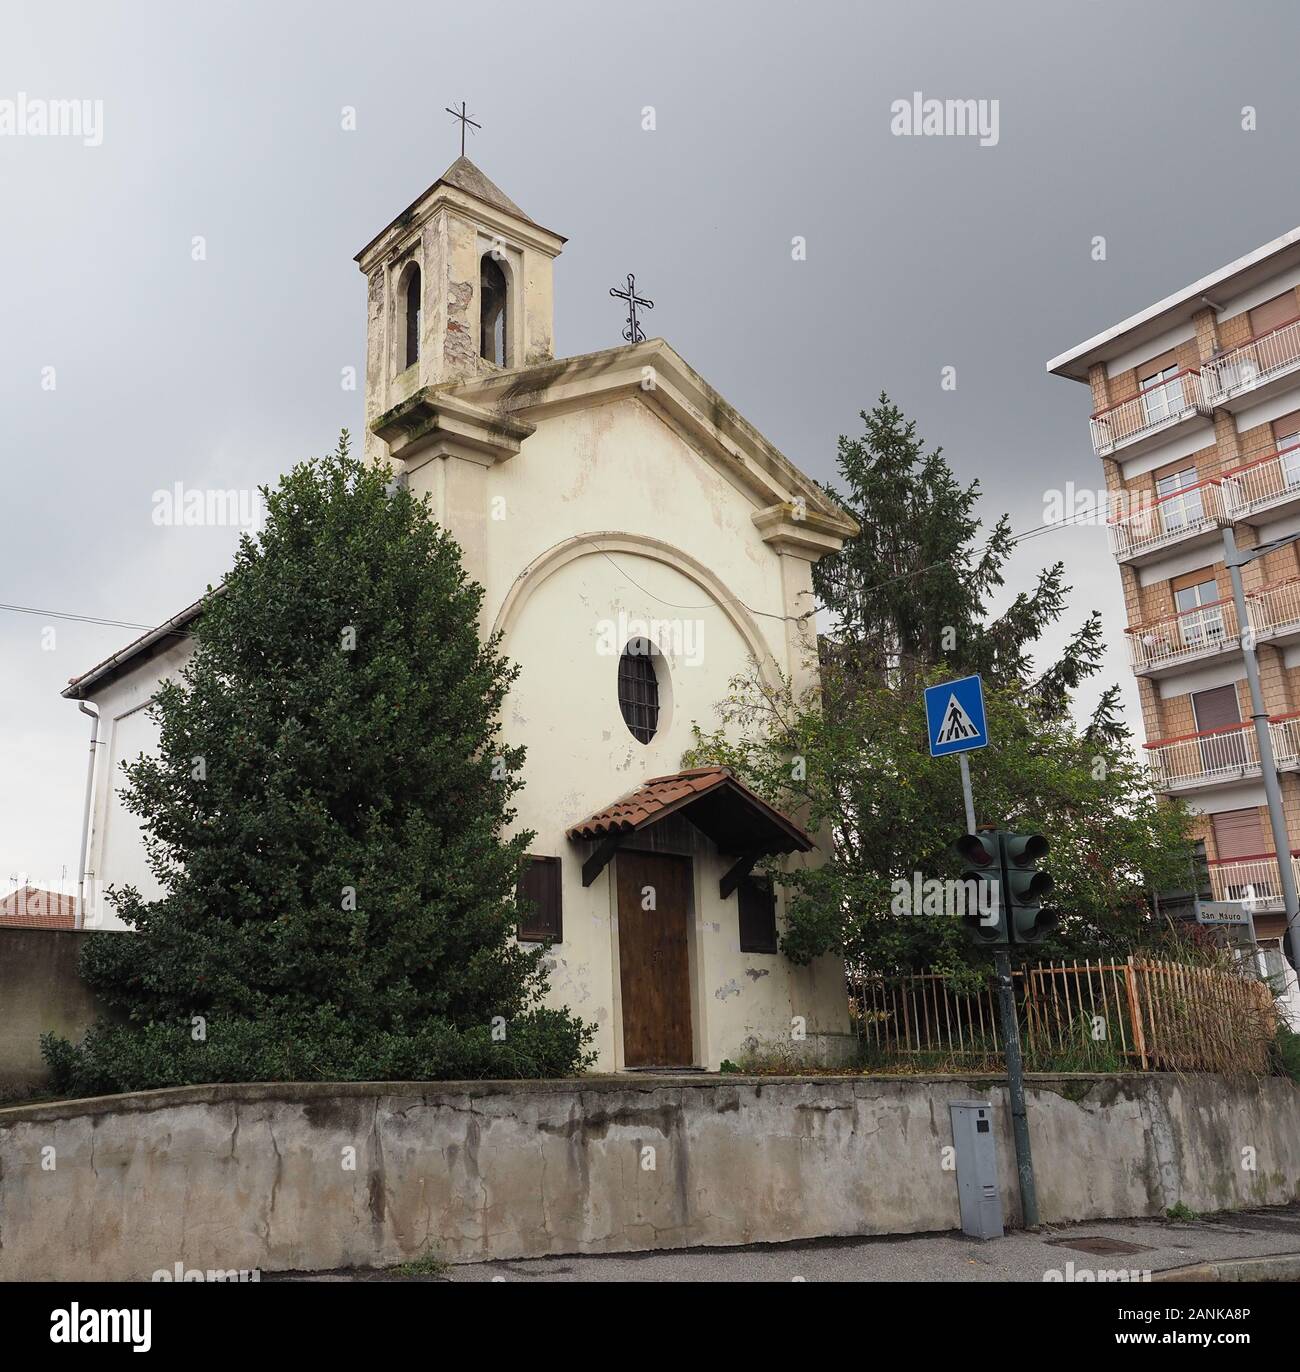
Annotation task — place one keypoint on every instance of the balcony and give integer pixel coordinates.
(1214, 757)
(1274, 611)
(1254, 881)
(1218, 757)
(1137, 423)
(1181, 518)
(1269, 485)
(1253, 371)
(1164, 645)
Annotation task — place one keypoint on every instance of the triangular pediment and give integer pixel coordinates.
(790, 507)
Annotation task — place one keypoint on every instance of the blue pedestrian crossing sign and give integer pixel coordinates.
(954, 714)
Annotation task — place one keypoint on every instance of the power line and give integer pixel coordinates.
(1035, 532)
(83, 619)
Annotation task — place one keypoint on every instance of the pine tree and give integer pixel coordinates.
(326, 813)
(911, 590)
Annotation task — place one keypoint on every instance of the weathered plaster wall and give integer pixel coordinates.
(687, 567)
(116, 854)
(40, 992)
(257, 1176)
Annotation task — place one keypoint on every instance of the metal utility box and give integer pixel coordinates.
(977, 1168)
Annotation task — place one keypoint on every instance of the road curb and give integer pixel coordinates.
(1266, 1267)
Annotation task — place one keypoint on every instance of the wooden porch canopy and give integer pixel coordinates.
(725, 810)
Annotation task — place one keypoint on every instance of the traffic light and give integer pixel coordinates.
(983, 913)
(1004, 889)
(1025, 887)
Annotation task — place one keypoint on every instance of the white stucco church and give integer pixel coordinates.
(640, 544)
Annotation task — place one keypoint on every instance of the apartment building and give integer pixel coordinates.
(1196, 423)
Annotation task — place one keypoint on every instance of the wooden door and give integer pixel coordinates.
(654, 965)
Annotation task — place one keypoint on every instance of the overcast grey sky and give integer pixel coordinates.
(773, 120)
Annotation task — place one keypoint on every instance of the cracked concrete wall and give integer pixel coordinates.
(258, 1176)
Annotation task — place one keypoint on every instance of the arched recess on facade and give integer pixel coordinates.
(654, 549)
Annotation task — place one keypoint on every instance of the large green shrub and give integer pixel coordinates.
(326, 815)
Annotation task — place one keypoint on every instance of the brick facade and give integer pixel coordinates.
(1169, 707)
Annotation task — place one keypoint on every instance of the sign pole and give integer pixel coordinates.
(966, 793)
(956, 723)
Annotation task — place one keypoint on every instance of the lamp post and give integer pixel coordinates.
(1236, 560)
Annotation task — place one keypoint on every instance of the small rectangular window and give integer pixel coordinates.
(757, 902)
(539, 901)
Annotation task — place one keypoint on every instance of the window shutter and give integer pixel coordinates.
(1237, 834)
(757, 901)
(539, 901)
(1273, 313)
(1215, 709)
(1286, 429)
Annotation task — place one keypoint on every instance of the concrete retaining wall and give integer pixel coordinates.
(319, 1176)
(40, 991)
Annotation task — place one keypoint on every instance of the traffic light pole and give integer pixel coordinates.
(1016, 1090)
(1011, 1040)
(1263, 738)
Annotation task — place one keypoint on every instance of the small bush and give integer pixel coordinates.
(1286, 1053)
(426, 1265)
(318, 1047)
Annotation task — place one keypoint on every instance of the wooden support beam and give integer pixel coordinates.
(600, 859)
(736, 874)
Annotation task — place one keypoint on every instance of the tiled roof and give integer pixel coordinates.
(34, 908)
(172, 630)
(648, 800)
(659, 796)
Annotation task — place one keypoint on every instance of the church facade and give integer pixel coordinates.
(640, 544)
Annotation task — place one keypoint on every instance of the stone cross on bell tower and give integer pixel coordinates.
(459, 285)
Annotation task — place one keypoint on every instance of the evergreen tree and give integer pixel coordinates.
(911, 590)
(907, 600)
(326, 815)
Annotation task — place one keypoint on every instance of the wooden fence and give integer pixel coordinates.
(1158, 1016)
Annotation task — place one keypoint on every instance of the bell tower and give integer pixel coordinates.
(459, 285)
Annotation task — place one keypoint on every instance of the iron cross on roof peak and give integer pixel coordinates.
(465, 122)
(632, 333)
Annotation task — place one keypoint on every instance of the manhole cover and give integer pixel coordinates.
(1099, 1246)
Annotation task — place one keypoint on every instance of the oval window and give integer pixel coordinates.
(638, 689)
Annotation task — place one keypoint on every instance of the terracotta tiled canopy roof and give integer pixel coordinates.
(713, 800)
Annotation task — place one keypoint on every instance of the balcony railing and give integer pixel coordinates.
(1255, 881)
(1190, 635)
(1170, 519)
(1183, 637)
(1275, 609)
(1214, 756)
(1285, 732)
(1155, 407)
(1245, 368)
(1263, 484)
